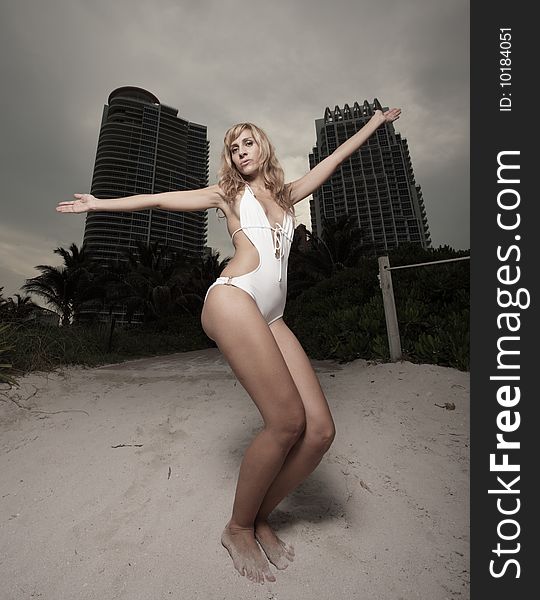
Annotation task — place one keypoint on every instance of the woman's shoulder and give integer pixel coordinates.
(220, 195)
(226, 204)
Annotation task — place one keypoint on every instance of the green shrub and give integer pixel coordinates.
(448, 344)
(339, 318)
(40, 347)
(342, 318)
(5, 348)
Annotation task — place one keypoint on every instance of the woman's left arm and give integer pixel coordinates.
(306, 185)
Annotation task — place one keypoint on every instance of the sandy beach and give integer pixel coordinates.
(117, 482)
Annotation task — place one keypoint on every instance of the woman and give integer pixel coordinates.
(243, 312)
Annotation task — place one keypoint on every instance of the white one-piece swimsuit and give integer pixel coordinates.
(267, 283)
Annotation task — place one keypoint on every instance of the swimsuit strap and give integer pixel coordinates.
(285, 212)
(232, 234)
(279, 229)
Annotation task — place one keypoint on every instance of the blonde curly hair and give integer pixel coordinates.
(230, 179)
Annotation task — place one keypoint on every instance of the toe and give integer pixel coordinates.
(242, 571)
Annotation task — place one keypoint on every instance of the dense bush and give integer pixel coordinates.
(334, 307)
(343, 317)
(5, 348)
(33, 346)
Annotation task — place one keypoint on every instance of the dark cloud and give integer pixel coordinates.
(278, 64)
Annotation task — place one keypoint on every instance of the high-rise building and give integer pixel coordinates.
(376, 184)
(144, 147)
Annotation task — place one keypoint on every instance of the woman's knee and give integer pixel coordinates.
(289, 427)
(320, 436)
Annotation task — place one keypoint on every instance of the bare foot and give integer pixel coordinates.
(246, 555)
(278, 552)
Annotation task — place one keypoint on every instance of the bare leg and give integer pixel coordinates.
(233, 320)
(308, 451)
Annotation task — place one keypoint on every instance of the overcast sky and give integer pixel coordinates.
(278, 64)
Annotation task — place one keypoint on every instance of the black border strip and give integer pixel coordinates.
(503, 120)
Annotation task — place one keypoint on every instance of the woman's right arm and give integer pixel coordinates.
(185, 200)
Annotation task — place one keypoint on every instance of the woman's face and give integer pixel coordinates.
(245, 153)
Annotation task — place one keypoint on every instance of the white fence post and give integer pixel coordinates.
(392, 327)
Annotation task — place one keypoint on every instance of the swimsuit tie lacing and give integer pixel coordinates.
(279, 251)
(277, 241)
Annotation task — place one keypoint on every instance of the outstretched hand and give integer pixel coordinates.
(84, 203)
(388, 116)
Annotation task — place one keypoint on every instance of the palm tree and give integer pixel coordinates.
(340, 246)
(203, 272)
(69, 287)
(19, 309)
(149, 280)
(344, 240)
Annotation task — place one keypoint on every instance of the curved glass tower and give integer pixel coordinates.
(145, 148)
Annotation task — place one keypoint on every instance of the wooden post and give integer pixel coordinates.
(392, 327)
(109, 345)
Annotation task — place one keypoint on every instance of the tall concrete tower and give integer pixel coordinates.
(376, 184)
